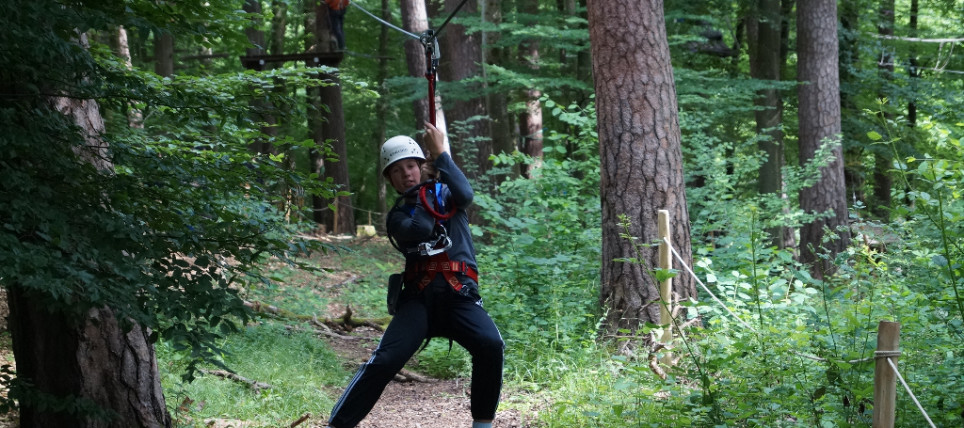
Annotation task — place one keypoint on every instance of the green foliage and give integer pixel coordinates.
(540, 249)
(181, 215)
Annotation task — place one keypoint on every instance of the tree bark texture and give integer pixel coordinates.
(641, 160)
(461, 59)
(84, 357)
(819, 122)
(92, 358)
(381, 110)
(415, 21)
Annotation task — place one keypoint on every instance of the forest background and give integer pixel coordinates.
(201, 169)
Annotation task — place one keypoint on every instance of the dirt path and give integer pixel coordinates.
(439, 403)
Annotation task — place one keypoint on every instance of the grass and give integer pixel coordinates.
(303, 371)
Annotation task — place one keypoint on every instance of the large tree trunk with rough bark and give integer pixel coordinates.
(819, 123)
(640, 155)
(461, 59)
(85, 359)
(88, 359)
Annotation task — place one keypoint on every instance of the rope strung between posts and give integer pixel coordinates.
(745, 324)
(705, 288)
(887, 355)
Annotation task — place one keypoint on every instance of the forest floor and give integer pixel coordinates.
(422, 403)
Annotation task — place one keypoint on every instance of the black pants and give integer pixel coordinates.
(439, 311)
(336, 19)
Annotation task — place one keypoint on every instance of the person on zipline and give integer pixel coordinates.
(336, 19)
(440, 296)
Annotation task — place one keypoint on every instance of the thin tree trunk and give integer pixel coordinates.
(279, 25)
(819, 122)
(163, 53)
(849, 87)
(313, 100)
(912, 69)
(381, 109)
(135, 118)
(764, 44)
(496, 103)
(530, 120)
(640, 155)
(883, 182)
(329, 128)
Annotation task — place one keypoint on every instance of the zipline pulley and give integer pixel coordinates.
(429, 41)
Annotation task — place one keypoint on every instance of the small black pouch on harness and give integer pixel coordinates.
(394, 290)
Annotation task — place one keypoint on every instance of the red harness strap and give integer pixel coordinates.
(440, 263)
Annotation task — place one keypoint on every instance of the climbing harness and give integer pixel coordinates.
(434, 248)
(429, 41)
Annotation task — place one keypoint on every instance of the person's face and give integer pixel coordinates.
(404, 174)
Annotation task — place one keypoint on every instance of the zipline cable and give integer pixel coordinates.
(429, 40)
(389, 24)
(451, 15)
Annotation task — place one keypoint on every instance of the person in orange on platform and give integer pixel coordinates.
(336, 18)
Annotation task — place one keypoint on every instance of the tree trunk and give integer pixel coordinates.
(461, 56)
(333, 130)
(163, 53)
(819, 121)
(764, 49)
(91, 361)
(135, 118)
(381, 109)
(883, 158)
(279, 25)
(327, 123)
(849, 87)
(415, 21)
(912, 69)
(84, 359)
(530, 120)
(496, 103)
(641, 160)
(256, 46)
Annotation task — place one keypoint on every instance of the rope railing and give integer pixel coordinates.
(887, 355)
(705, 288)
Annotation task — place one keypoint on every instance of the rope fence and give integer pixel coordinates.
(888, 337)
(887, 357)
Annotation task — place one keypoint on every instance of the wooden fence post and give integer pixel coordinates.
(885, 379)
(665, 287)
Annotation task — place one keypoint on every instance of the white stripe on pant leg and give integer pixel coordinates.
(354, 381)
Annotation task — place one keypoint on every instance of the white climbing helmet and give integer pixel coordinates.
(397, 148)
